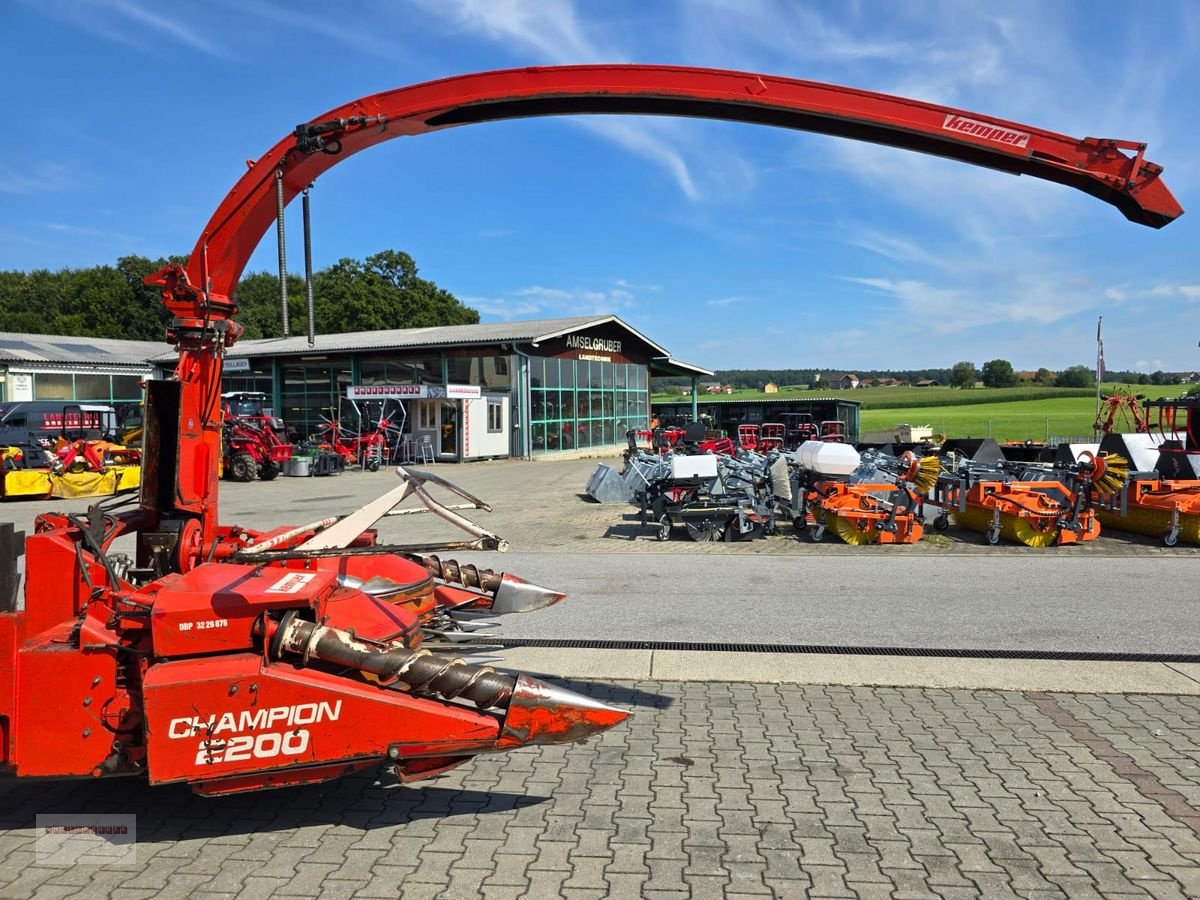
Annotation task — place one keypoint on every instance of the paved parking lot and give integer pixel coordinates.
(714, 787)
(710, 790)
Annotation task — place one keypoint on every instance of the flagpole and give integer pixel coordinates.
(1099, 367)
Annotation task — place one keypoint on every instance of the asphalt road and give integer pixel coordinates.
(951, 592)
(1018, 602)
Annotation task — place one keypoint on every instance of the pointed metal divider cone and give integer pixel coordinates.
(541, 713)
(516, 595)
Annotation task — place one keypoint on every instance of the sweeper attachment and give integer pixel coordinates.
(868, 498)
(1034, 505)
(1162, 497)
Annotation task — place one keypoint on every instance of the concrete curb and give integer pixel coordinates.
(854, 670)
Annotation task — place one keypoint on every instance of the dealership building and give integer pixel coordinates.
(535, 388)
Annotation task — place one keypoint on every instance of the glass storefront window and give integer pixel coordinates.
(92, 387)
(579, 404)
(53, 386)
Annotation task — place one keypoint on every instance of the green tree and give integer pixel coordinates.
(1159, 377)
(1044, 376)
(383, 292)
(257, 298)
(962, 375)
(1075, 377)
(998, 373)
(146, 317)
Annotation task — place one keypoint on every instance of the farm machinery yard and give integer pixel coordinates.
(1142, 482)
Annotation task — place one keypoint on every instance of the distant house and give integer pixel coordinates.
(888, 382)
(712, 387)
(846, 382)
(726, 389)
(926, 382)
(1025, 376)
(770, 388)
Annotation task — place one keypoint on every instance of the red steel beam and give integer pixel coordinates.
(1094, 165)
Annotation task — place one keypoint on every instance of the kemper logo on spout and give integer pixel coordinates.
(986, 130)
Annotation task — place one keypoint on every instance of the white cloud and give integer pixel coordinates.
(37, 178)
(127, 22)
(1163, 290)
(549, 302)
(334, 27)
(552, 31)
(725, 301)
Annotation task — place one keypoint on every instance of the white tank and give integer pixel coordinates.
(1143, 450)
(827, 458)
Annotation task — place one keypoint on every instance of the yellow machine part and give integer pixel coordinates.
(1151, 522)
(71, 485)
(845, 529)
(1014, 528)
(27, 483)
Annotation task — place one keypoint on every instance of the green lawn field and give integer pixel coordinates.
(1006, 414)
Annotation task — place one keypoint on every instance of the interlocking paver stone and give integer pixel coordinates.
(712, 790)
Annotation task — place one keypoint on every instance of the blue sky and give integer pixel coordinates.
(731, 245)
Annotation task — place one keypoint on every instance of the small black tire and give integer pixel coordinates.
(817, 534)
(241, 468)
(992, 536)
(941, 523)
(269, 470)
(1171, 539)
(662, 531)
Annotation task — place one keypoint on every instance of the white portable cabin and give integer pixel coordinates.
(487, 421)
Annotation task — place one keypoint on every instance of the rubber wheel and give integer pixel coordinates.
(993, 536)
(1170, 539)
(941, 523)
(734, 536)
(705, 531)
(269, 470)
(817, 534)
(241, 468)
(372, 465)
(663, 529)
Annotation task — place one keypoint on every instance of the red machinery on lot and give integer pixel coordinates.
(233, 660)
(252, 442)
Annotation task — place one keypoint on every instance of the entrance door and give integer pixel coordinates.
(449, 422)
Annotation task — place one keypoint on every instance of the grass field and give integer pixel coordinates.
(1016, 420)
(1007, 414)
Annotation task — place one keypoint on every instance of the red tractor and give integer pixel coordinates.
(253, 440)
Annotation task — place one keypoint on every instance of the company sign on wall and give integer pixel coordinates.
(594, 348)
(413, 392)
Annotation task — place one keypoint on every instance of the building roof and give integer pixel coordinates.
(665, 365)
(35, 349)
(761, 401)
(16, 348)
(530, 331)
